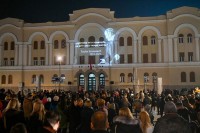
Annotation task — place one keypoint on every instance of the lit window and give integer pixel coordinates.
(153, 40)
(180, 38)
(122, 77)
(189, 38)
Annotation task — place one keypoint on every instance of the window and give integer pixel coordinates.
(102, 79)
(12, 61)
(130, 77)
(189, 38)
(81, 80)
(190, 56)
(180, 38)
(5, 45)
(33, 79)
(130, 58)
(91, 41)
(82, 59)
(41, 79)
(121, 59)
(12, 47)
(5, 61)
(63, 43)
(181, 56)
(42, 45)
(55, 44)
(122, 77)
(145, 40)
(35, 61)
(153, 40)
(35, 45)
(91, 59)
(153, 58)
(192, 77)
(154, 77)
(42, 61)
(121, 41)
(145, 58)
(81, 45)
(101, 42)
(146, 77)
(129, 41)
(10, 79)
(3, 79)
(183, 77)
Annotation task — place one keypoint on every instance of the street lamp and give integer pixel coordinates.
(59, 59)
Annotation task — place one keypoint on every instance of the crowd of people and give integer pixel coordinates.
(117, 111)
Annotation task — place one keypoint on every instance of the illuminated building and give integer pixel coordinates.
(146, 51)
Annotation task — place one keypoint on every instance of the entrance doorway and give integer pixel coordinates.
(91, 82)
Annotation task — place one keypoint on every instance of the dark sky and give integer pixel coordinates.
(59, 10)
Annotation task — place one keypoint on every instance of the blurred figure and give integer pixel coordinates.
(145, 122)
(18, 128)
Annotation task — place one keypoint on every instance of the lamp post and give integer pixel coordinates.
(146, 79)
(154, 82)
(59, 59)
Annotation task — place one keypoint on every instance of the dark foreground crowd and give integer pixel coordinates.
(116, 111)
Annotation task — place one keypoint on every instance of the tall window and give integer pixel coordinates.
(122, 78)
(63, 43)
(82, 40)
(91, 41)
(192, 77)
(129, 41)
(33, 79)
(42, 44)
(183, 77)
(130, 58)
(130, 77)
(82, 59)
(121, 41)
(181, 56)
(12, 47)
(145, 58)
(5, 61)
(35, 45)
(91, 59)
(35, 61)
(41, 79)
(3, 79)
(5, 45)
(81, 80)
(121, 59)
(12, 61)
(10, 79)
(145, 40)
(55, 44)
(180, 38)
(190, 56)
(42, 61)
(153, 58)
(189, 38)
(101, 79)
(153, 40)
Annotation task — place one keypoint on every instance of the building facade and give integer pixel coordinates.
(99, 51)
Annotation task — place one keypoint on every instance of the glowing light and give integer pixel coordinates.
(117, 57)
(59, 58)
(109, 34)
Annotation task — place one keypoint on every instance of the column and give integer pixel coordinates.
(1, 52)
(68, 54)
(159, 51)
(73, 53)
(16, 54)
(197, 48)
(47, 54)
(175, 50)
(139, 51)
(165, 50)
(20, 61)
(30, 54)
(134, 51)
(25, 55)
(170, 49)
(50, 53)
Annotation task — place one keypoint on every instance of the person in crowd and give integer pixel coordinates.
(125, 123)
(171, 122)
(182, 111)
(19, 128)
(99, 122)
(147, 108)
(54, 103)
(37, 117)
(86, 115)
(101, 105)
(27, 106)
(195, 124)
(12, 114)
(137, 105)
(145, 122)
(51, 123)
(111, 113)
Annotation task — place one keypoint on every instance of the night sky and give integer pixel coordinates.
(59, 10)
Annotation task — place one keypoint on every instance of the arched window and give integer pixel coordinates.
(101, 79)
(180, 38)
(189, 38)
(145, 40)
(91, 41)
(3, 79)
(130, 77)
(55, 44)
(154, 77)
(33, 79)
(101, 42)
(121, 41)
(81, 80)
(183, 77)
(192, 77)
(82, 39)
(5, 45)
(63, 43)
(41, 79)
(35, 45)
(122, 77)
(12, 47)
(153, 40)
(129, 41)
(10, 79)
(42, 44)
